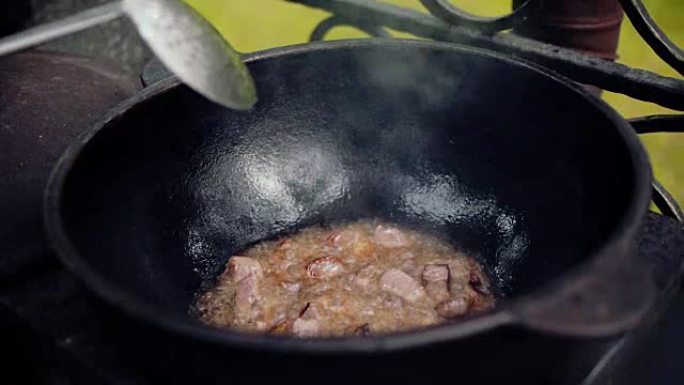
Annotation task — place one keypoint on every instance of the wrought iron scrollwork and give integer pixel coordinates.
(667, 50)
(448, 12)
(649, 30)
(666, 203)
(451, 24)
(639, 84)
(326, 25)
(658, 123)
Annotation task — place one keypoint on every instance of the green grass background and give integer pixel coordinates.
(252, 25)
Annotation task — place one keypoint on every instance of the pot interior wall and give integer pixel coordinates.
(506, 163)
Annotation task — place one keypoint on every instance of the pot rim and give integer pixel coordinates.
(502, 315)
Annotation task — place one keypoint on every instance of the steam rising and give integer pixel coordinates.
(293, 163)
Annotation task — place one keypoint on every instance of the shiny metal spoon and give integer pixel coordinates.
(181, 38)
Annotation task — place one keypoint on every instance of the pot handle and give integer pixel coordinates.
(608, 297)
(615, 293)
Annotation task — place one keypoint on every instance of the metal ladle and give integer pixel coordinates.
(181, 38)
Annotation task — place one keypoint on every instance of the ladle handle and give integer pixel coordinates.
(50, 31)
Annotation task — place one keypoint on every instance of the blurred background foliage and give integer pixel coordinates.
(252, 25)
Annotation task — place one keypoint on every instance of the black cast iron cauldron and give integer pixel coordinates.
(545, 184)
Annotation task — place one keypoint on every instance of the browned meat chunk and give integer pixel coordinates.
(459, 272)
(436, 281)
(310, 311)
(292, 287)
(306, 327)
(476, 283)
(246, 297)
(436, 273)
(453, 307)
(392, 302)
(366, 278)
(308, 324)
(407, 263)
(396, 282)
(324, 267)
(390, 237)
(239, 267)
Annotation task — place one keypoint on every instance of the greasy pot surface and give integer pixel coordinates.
(532, 177)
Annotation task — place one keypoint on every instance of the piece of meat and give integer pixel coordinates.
(459, 272)
(433, 272)
(246, 296)
(306, 327)
(366, 277)
(406, 262)
(239, 267)
(310, 311)
(396, 282)
(324, 267)
(393, 302)
(308, 324)
(292, 287)
(435, 279)
(390, 237)
(453, 307)
(476, 283)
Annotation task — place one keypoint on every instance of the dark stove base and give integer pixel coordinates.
(57, 333)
